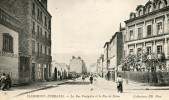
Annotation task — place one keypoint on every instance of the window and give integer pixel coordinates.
(45, 50)
(149, 50)
(41, 32)
(49, 25)
(139, 33)
(33, 8)
(49, 36)
(38, 31)
(159, 28)
(49, 51)
(140, 12)
(160, 5)
(131, 35)
(38, 49)
(149, 9)
(149, 32)
(33, 27)
(139, 51)
(7, 43)
(33, 47)
(159, 49)
(41, 15)
(38, 13)
(41, 49)
(131, 52)
(45, 21)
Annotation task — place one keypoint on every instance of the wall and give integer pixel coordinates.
(9, 62)
(76, 65)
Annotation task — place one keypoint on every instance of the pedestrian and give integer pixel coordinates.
(60, 78)
(8, 82)
(119, 84)
(3, 81)
(83, 77)
(91, 79)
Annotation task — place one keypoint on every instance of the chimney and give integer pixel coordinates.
(44, 2)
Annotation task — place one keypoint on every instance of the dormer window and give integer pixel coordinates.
(160, 5)
(149, 9)
(132, 15)
(140, 12)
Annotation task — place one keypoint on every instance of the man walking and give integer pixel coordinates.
(8, 82)
(3, 81)
(119, 84)
(91, 79)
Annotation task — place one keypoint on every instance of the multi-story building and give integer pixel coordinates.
(84, 68)
(115, 53)
(34, 38)
(105, 60)
(10, 29)
(147, 30)
(77, 67)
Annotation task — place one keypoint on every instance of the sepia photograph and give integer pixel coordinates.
(84, 49)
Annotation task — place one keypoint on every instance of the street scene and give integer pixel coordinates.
(79, 89)
(84, 49)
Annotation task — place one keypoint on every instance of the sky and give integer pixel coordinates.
(81, 27)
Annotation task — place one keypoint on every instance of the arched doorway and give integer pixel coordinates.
(55, 73)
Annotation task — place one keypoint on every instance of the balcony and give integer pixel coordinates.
(43, 57)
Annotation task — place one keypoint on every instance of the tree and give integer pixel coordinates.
(128, 62)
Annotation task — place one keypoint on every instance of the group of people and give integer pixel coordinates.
(5, 82)
(119, 82)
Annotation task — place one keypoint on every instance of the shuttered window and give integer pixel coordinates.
(7, 43)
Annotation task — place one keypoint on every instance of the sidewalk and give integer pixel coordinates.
(103, 83)
(20, 90)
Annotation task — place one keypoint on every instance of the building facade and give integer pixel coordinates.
(59, 71)
(105, 60)
(77, 67)
(34, 39)
(10, 28)
(147, 30)
(115, 53)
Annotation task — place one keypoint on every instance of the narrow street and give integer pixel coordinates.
(79, 89)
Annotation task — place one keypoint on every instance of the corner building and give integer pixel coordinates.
(34, 38)
(147, 30)
(10, 28)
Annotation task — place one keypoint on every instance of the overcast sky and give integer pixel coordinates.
(85, 25)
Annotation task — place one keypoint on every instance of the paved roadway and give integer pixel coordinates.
(100, 90)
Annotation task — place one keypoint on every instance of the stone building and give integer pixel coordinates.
(10, 28)
(105, 59)
(34, 39)
(115, 53)
(77, 67)
(59, 71)
(147, 30)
